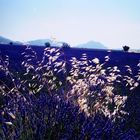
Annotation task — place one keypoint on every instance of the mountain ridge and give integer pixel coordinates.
(4, 40)
(41, 42)
(92, 45)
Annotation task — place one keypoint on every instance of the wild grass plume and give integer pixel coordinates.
(52, 98)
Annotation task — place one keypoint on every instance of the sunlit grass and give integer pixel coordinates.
(47, 100)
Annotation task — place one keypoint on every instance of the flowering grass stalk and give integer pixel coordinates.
(46, 100)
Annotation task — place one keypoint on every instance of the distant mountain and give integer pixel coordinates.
(4, 40)
(40, 42)
(92, 45)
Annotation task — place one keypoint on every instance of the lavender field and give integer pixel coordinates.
(68, 94)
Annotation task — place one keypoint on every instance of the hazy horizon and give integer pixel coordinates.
(112, 23)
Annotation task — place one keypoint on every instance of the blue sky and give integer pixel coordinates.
(112, 22)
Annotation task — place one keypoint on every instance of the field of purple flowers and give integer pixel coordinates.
(52, 96)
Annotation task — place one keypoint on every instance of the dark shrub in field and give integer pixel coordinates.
(65, 45)
(126, 48)
(11, 43)
(47, 44)
(46, 100)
